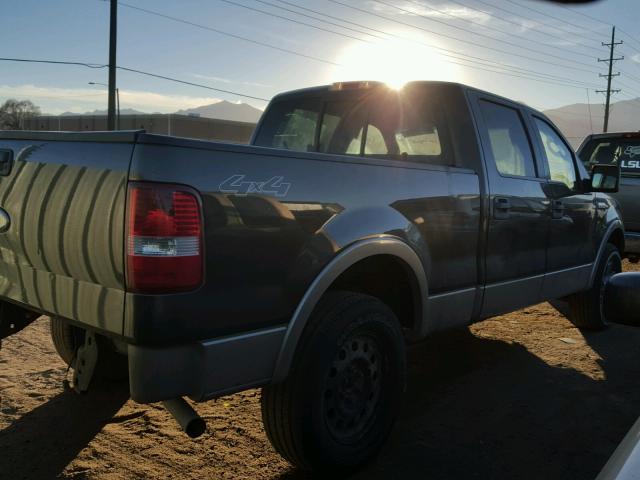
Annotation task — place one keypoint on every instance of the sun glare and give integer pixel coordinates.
(395, 62)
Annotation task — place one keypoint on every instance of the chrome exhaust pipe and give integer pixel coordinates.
(188, 419)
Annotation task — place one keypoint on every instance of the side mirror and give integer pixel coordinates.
(605, 178)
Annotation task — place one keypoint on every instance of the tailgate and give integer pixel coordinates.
(64, 196)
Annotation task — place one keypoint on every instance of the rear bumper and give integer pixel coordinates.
(632, 243)
(205, 369)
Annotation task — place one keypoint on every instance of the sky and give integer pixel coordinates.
(262, 47)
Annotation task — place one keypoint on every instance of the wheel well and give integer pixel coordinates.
(388, 278)
(617, 239)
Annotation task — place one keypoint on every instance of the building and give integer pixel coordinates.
(164, 124)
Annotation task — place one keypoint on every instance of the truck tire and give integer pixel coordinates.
(337, 407)
(66, 340)
(586, 308)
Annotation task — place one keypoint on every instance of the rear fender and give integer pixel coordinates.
(378, 245)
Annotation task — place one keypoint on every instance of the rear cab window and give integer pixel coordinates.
(405, 126)
(623, 151)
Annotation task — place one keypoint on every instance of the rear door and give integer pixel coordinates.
(518, 221)
(572, 247)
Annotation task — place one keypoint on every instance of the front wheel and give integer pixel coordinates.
(587, 308)
(339, 403)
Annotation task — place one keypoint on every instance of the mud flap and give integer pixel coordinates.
(84, 363)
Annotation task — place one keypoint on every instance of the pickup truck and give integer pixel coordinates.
(621, 149)
(360, 218)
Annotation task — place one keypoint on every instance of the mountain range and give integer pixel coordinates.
(223, 110)
(576, 121)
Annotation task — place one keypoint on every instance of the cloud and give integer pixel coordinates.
(430, 10)
(227, 80)
(56, 100)
(636, 58)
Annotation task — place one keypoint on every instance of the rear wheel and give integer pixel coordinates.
(67, 338)
(339, 403)
(587, 308)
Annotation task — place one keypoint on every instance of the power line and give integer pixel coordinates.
(585, 15)
(519, 24)
(454, 54)
(628, 35)
(563, 20)
(171, 79)
(466, 30)
(546, 62)
(420, 28)
(482, 61)
(502, 32)
(264, 12)
(316, 18)
(232, 35)
(518, 15)
(595, 19)
(488, 27)
(55, 62)
(94, 65)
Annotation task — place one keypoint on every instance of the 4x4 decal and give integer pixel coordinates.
(237, 184)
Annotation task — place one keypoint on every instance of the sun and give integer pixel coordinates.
(394, 61)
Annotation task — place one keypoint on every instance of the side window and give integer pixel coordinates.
(342, 128)
(406, 127)
(559, 157)
(374, 144)
(508, 140)
(290, 125)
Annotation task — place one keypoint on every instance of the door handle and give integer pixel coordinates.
(6, 161)
(557, 209)
(502, 206)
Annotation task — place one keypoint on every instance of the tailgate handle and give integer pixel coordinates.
(6, 161)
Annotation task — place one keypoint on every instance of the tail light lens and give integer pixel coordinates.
(164, 239)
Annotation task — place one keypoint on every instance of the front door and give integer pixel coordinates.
(572, 246)
(518, 222)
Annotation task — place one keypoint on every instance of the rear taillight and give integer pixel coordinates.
(164, 239)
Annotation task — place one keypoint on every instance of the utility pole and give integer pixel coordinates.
(610, 75)
(113, 35)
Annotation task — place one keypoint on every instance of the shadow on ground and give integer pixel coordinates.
(53, 434)
(488, 409)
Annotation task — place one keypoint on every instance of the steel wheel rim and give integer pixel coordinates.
(353, 388)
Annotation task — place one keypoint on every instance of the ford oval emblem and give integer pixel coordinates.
(5, 221)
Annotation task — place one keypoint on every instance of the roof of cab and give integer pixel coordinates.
(368, 85)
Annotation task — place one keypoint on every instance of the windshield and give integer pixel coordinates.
(624, 152)
(388, 125)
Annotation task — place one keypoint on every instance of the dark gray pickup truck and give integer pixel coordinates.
(621, 149)
(360, 218)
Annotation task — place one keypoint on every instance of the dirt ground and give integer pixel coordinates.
(524, 396)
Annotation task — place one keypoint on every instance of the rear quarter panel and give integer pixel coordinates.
(274, 219)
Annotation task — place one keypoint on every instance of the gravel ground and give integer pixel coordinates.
(524, 395)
